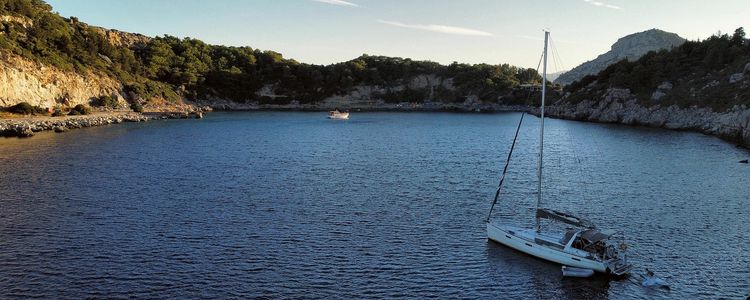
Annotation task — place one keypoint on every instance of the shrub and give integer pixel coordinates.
(136, 107)
(80, 109)
(107, 101)
(58, 112)
(25, 108)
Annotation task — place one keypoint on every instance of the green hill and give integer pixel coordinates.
(701, 85)
(705, 73)
(172, 69)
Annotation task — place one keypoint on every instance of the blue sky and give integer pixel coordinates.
(470, 31)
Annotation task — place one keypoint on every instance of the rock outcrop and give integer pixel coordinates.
(25, 22)
(22, 80)
(630, 47)
(123, 39)
(620, 106)
(27, 127)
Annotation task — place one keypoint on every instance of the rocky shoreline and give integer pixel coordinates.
(618, 106)
(621, 107)
(28, 126)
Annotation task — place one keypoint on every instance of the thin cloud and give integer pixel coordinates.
(439, 28)
(602, 4)
(337, 2)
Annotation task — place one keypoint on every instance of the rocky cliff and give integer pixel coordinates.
(630, 47)
(22, 80)
(621, 106)
(123, 39)
(39, 84)
(700, 86)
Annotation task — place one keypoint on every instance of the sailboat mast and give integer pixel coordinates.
(541, 132)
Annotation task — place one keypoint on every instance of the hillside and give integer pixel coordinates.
(53, 61)
(700, 85)
(630, 47)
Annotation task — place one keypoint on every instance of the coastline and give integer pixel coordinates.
(619, 106)
(727, 128)
(732, 127)
(729, 132)
(27, 126)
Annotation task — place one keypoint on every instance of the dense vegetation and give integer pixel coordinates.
(24, 108)
(698, 70)
(107, 101)
(168, 67)
(80, 109)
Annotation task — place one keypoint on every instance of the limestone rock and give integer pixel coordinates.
(665, 86)
(24, 21)
(120, 38)
(711, 84)
(24, 132)
(630, 47)
(618, 106)
(657, 95)
(737, 77)
(22, 80)
(661, 91)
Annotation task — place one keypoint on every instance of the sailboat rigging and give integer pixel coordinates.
(582, 245)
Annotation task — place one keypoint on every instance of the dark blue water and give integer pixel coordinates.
(385, 205)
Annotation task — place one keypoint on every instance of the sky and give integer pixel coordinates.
(467, 31)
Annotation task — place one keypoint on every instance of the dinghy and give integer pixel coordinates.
(577, 272)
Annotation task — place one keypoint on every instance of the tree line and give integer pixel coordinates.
(698, 70)
(168, 67)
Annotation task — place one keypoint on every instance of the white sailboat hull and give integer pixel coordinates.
(584, 249)
(524, 240)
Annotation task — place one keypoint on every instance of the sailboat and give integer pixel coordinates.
(580, 245)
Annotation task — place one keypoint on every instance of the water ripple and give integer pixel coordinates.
(387, 205)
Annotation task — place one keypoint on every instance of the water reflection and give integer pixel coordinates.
(387, 205)
(544, 278)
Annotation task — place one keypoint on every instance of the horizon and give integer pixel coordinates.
(324, 32)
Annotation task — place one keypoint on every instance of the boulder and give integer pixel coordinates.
(711, 84)
(24, 132)
(60, 129)
(737, 77)
(657, 95)
(747, 69)
(665, 86)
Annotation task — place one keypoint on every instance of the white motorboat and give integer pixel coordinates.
(582, 246)
(338, 115)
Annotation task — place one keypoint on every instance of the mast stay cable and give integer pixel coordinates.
(505, 169)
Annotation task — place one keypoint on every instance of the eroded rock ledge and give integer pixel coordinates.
(27, 127)
(620, 106)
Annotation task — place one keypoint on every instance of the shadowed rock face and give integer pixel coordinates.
(630, 47)
(620, 106)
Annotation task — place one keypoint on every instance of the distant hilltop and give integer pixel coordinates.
(700, 85)
(630, 47)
